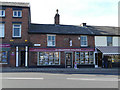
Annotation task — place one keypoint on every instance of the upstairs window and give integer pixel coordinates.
(2, 13)
(109, 41)
(2, 30)
(17, 13)
(83, 40)
(51, 40)
(16, 30)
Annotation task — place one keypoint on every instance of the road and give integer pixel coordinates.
(50, 80)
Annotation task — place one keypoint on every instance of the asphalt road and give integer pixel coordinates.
(50, 80)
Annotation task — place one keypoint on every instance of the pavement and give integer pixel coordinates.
(105, 71)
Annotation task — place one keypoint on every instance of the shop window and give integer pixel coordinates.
(17, 13)
(83, 40)
(51, 40)
(2, 13)
(2, 30)
(48, 58)
(16, 30)
(3, 57)
(109, 41)
(84, 57)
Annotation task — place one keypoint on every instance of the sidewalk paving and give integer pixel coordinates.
(110, 71)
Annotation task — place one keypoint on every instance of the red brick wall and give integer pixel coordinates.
(8, 19)
(9, 25)
(62, 41)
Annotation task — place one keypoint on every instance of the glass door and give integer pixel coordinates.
(68, 60)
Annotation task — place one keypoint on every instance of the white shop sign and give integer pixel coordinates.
(37, 44)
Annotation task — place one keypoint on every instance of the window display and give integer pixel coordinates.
(84, 57)
(3, 56)
(48, 58)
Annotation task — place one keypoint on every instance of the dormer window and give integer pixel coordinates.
(17, 13)
(2, 13)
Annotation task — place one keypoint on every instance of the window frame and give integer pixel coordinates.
(19, 30)
(3, 30)
(86, 41)
(108, 44)
(1, 13)
(51, 40)
(38, 59)
(17, 13)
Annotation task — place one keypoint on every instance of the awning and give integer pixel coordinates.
(109, 50)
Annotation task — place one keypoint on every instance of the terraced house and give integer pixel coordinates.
(26, 44)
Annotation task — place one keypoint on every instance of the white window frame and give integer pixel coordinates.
(48, 40)
(3, 13)
(3, 30)
(17, 13)
(86, 42)
(19, 31)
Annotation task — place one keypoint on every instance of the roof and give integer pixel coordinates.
(21, 4)
(58, 29)
(104, 30)
(109, 49)
(72, 29)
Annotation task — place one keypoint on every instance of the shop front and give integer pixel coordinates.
(61, 57)
(4, 54)
(109, 56)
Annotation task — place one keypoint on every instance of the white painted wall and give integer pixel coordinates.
(100, 41)
(116, 41)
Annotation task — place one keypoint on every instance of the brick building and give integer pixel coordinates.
(14, 25)
(26, 44)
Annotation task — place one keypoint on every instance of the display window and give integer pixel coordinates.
(84, 57)
(3, 56)
(48, 58)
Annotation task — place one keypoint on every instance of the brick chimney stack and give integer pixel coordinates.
(57, 18)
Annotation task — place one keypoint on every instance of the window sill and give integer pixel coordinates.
(17, 17)
(2, 37)
(2, 17)
(16, 37)
(3, 63)
(51, 46)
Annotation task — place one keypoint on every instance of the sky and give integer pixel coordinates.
(74, 12)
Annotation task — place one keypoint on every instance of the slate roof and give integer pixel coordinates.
(58, 29)
(21, 4)
(72, 29)
(109, 49)
(104, 30)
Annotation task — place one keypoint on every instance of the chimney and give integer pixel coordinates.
(56, 18)
(83, 24)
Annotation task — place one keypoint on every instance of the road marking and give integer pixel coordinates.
(94, 79)
(22, 78)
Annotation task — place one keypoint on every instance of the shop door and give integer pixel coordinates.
(68, 60)
(99, 59)
(22, 58)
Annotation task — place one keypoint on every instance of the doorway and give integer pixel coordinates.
(22, 58)
(68, 57)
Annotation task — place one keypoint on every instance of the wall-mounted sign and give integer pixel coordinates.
(12, 54)
(37, 45)
(59, 49)
(70, 42)
(4, 45)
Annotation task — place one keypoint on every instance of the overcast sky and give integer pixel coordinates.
(74, 12)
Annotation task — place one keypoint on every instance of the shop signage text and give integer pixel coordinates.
(59, 49)
(4, 45)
